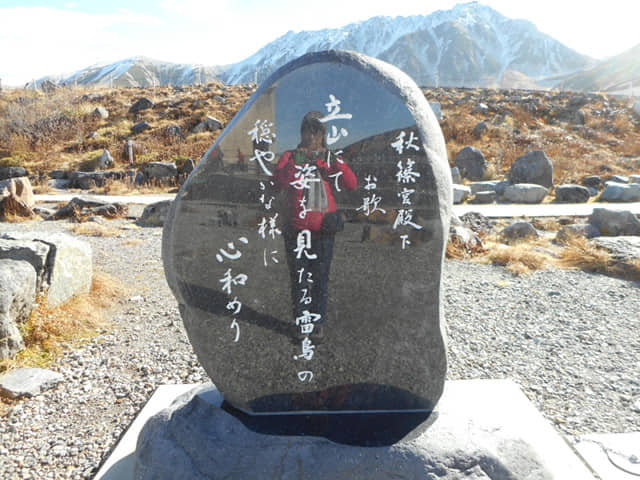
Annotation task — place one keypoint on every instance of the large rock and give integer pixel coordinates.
(483, 198)
(460, 193)
(88, 180)
(482, 432)
(489, 186)
(12, 172)
(577, 230)
(520, 230)
(614, 223)
(471, 163)
(209, 124)
(69, 264)
(263, 350)
(140, 127)
(101, 112)
(621, 248)
(162, 171)
(534, 167)
(28, 382)
(570, 193)
(142, 104)
(525, 193)
(34, 252)
(17, 294)
(104, 160)
(154, 215)
(18, 188)
(620, 192)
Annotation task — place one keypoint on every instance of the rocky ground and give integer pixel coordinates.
(568, 338)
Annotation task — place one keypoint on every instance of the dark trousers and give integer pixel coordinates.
(309, 277)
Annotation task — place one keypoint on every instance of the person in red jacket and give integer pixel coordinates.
(309, 175)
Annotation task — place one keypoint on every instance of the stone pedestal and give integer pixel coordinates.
(485, 429)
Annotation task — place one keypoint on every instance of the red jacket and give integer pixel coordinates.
(286, 173)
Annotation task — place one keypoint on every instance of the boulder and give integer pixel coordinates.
(12, 172)
(570, 193)
(520, 230)
(19, 188)
(17, 294)
(480, 129)
(464, 237)
(436, 108)
(489, 186)
(140, 127)
(477, 222)
(621, 248)
(142, 104)
(620, 192)
(494, 436)
(28, 382)
(160, 171)
(59, 184)
(173, 131)
(69, 268)
(209, 124)
(187, 167)
(592, 181)
(33, 252)
(525, 193)
(101, 112)
(614, 223)
(501, 186)
(456, 178)
(577, 229)
(619, 179)
(534, 167)
(59, 174)
(88, 180)
(483, 198)
(104, 160)
(471, 163)
(80, 207)
(155, 214)
(460, 193)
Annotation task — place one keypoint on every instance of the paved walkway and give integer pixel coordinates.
(495, 210)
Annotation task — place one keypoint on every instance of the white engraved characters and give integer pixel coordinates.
(404, 176)
(230, 281)
(333, 107)
(262, 134)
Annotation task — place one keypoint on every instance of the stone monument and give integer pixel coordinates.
(306, 248)
(306, 252)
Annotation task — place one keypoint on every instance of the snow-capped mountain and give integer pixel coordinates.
(619, 74)
(469, 45)
(142, 72)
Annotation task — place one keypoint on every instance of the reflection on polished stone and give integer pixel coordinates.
(306, 248)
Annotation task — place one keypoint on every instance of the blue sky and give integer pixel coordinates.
(39, 37)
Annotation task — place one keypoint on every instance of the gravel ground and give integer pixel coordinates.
(568, 338)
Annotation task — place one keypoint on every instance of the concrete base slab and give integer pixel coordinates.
(119, 465)
(613, 456)
(490, 415)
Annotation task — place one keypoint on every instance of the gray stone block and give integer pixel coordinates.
(17, 294)
(525, 193)
(69, 264)
(460, 193)
(498, 435)
(534, 167)
(570, 193)
(28, 382)
(615, 222)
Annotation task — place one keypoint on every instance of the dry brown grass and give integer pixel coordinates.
(51, 330)
(518, 259)
(93, 229)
